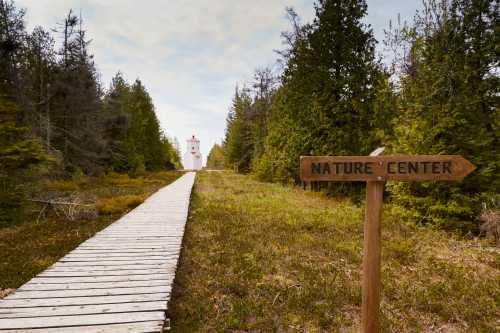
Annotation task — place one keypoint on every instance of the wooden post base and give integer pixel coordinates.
(371, 257)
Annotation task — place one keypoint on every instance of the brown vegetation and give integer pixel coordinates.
(261, 257)
(42, 237)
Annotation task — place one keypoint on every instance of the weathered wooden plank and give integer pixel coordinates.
(103, 241)
(124, 243)
(147, 217)
(90, 273)
(129, 243)
(136, 237)
(112, 238)
(150, 220)
(137, 327)
(110, 265)
(79, 320)
(173, 234)
(118, 260)
(130, 226)
(118, 239)
(126, 238)
(115, 262)
(95, 285)
(104, 270)
(118, 257)
(162, 234)
(131, 253)
(157, 220)
(172, 224)
(122, 252)
(127, 227)
(20, 294)
(99, 279)
(132, 233)
(382, 168)
(82, 309)
(139, 251)
(51, 302)
(123, 247)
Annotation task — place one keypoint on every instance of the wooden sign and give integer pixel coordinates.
(375, 170)
(381, 168)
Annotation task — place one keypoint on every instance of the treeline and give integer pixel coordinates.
(132, 132)
(335, 96)
(53, 109)
(215, 158)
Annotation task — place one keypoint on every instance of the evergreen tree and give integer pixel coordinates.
(260, 110)
(134, 139)
(20, 150)
(12, 36)
(60, 99)
(76, 102)
(18, 153)
(328, 102)
(117, 120)
(215, 158)
(40, 63)
(449, 105)
(238, 147)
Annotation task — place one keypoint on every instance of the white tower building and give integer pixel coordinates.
(192, 157)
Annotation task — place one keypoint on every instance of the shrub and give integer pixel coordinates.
(114, 178)
(119, 204)
(491, 218)
(62, 185)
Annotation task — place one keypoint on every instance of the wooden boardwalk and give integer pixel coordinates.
(117, 281)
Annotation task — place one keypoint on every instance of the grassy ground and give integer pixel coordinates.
(31, 246)
(265, 258)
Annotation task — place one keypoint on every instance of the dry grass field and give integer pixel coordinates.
(261, 257)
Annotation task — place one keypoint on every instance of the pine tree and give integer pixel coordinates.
(134, 138)
(260, 110)
(60, 100)
(238, 146)
(18, 153)
(40, 62)
(76, 102)
(117, 119)
(215, 158)
(329, 100)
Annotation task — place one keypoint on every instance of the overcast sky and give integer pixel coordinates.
(191, 53)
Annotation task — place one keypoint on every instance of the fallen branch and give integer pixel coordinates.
(71, 210)
(50, 202)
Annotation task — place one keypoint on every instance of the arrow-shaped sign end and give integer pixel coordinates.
(466, 167)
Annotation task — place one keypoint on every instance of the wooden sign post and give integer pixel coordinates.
(375, 170)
